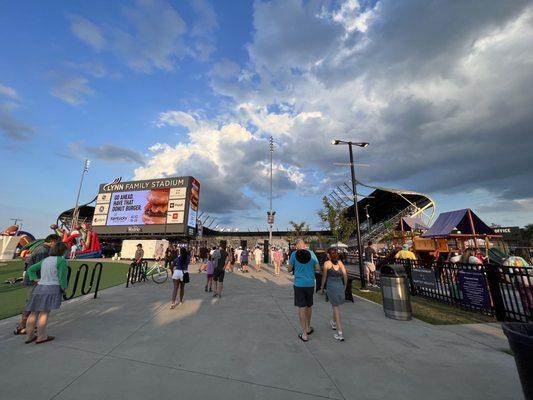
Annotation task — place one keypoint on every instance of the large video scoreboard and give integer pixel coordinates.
(164, 206)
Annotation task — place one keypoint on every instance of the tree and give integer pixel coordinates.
(335, 219)
(298, 231)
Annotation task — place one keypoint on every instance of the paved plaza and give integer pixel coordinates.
(128, 344)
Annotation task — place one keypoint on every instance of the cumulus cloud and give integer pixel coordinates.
(430, 96)
(108, 152)
(442, 101)
(228, 160)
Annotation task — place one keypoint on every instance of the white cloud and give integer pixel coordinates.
(444, 109)
(87, 32)
(8, 92)
(72, 89)
(352, 17)
(151, 35)
(203, 31)
(176, 118)
(227, 158)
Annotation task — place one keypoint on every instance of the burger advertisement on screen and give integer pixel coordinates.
(155, 210)
(163, 205)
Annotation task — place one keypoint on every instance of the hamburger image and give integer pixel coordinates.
(155, 211)
(195, 195)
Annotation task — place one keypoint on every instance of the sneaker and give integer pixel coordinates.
(339, 337)
(333, 325)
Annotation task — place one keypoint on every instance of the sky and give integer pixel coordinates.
(152, 88)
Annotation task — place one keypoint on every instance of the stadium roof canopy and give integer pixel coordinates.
(384, 203)
(85, 214)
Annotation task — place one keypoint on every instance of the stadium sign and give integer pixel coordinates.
(155, 206)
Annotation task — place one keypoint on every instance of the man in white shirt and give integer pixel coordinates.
(258, 255)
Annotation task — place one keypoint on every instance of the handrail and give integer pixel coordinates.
(84, 290)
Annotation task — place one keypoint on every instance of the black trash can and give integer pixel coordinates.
(520, 336)
(395, 292)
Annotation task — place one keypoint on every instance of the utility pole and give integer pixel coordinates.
(356, 209)
(270, 213)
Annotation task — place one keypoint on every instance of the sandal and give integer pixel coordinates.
(33, 339)
(19, 331)
(172, 306)
(311, 330)
(48, 339)
(301, 336)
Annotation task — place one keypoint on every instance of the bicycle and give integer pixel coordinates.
(157, 272)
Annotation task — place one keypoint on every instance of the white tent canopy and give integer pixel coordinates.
(339, 245)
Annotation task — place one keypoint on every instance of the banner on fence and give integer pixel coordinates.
(424, 278)
(474, 288)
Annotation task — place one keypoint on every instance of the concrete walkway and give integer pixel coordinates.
(128, 344)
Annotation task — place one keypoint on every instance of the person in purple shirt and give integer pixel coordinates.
(180, 275)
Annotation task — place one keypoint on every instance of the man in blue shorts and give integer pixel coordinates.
(304, 262)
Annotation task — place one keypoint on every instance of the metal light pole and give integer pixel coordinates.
(367, 220)
(76, 209)
(356, 209)
(270, 213)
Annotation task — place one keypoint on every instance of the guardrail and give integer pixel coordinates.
(85, 290)
(136, 273)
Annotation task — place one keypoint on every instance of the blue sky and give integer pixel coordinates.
(155, 88)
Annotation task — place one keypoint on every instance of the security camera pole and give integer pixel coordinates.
(356, 210)
(76, 209)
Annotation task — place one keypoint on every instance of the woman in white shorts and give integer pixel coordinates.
(180, 275)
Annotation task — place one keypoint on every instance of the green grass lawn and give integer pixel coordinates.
(430, 311)
(13, 296)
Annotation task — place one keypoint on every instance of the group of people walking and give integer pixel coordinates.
(303, 263)
(47, 271)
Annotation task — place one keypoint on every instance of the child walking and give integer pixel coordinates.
(210, 272)
(47, 294)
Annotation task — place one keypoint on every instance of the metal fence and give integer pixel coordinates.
(500, 291)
